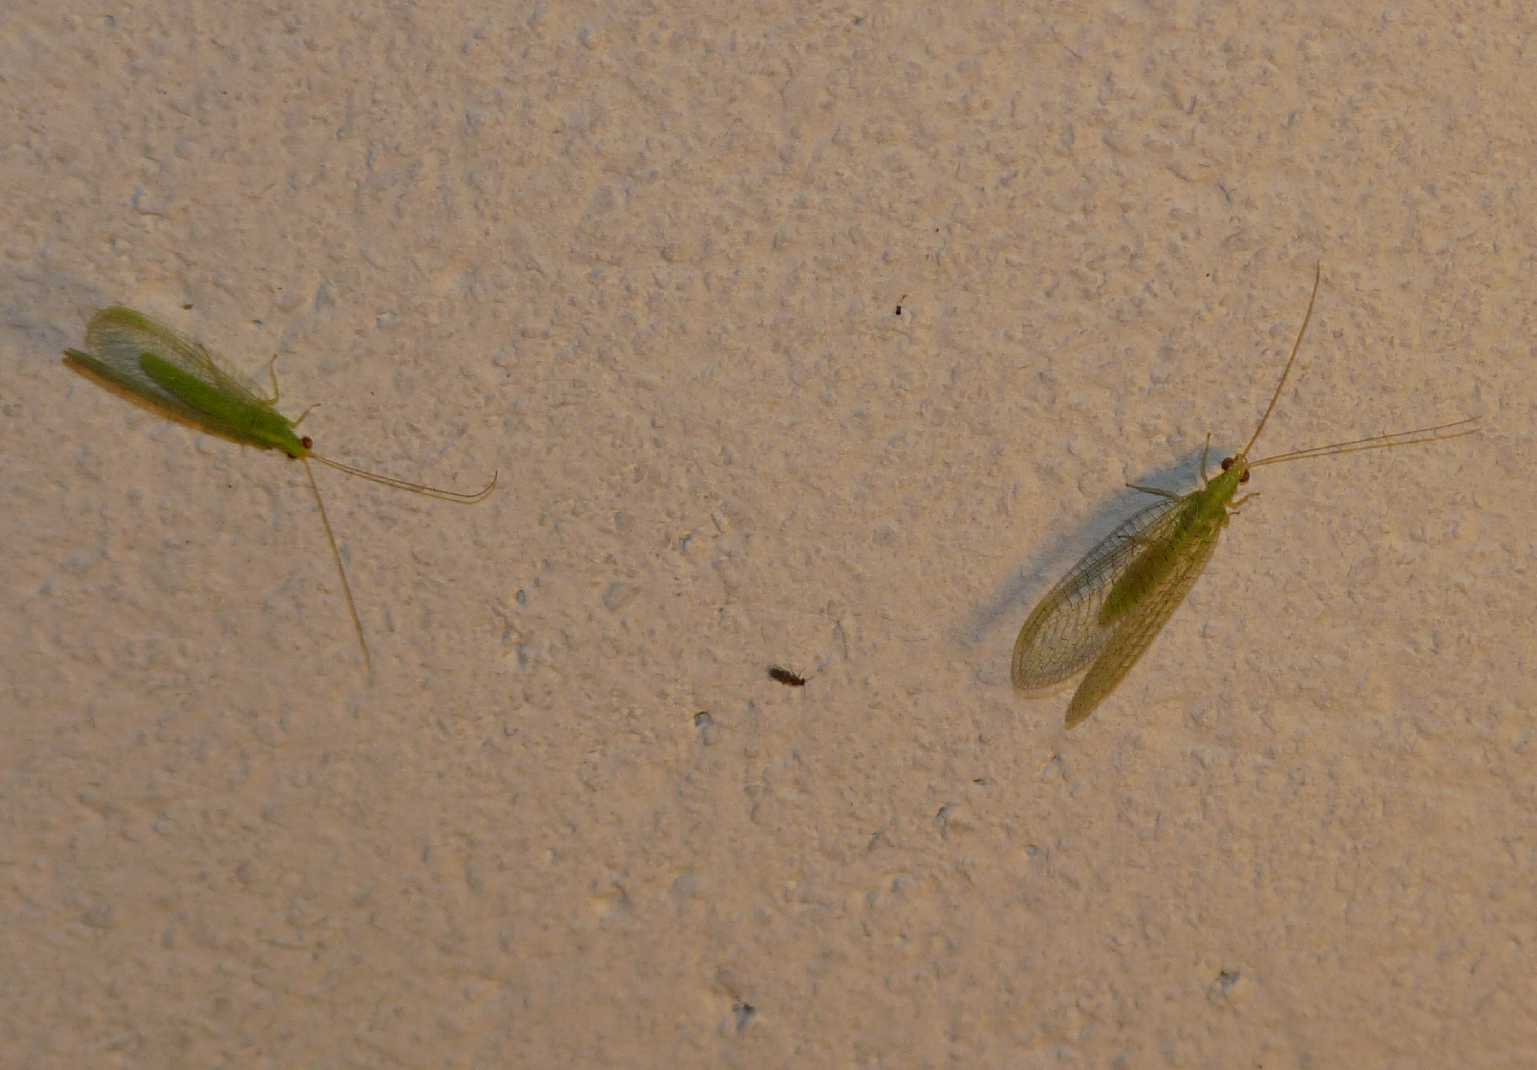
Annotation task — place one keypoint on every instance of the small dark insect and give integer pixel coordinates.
(786, 677)
(899, 303)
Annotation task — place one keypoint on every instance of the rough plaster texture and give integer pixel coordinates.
(645, 260)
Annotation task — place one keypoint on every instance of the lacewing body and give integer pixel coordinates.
(1104, 614)
(131, 354)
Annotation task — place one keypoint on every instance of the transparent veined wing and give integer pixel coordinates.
(1134, 632)
(116, 340)
(1063, 634)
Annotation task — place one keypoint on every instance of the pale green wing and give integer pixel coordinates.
(1133, 633)
(1064, 632)
(116, 339)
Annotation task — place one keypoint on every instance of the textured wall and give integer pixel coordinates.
(645, 261)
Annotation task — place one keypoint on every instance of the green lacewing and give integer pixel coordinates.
(149, 363)
(1104, 614)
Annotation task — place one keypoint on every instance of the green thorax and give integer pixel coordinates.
(1199, 517)
(247, 420)
(1212, 500)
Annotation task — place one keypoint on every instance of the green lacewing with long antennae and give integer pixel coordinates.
(1104, 614)
(177, 378)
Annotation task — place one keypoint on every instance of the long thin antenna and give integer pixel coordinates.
(458, 497)
(352, 607)
(1375, 442)
(1318, 271)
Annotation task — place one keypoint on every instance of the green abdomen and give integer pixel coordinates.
(1201, 518)
(242, 419)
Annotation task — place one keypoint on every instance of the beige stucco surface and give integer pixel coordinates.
(644, 261)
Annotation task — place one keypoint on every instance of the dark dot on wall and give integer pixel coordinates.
(744, 1013)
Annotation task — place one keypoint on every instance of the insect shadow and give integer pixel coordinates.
(1030, 580)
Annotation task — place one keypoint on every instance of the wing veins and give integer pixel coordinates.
(1063, 634)
(1134, 634)
(118, 337)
